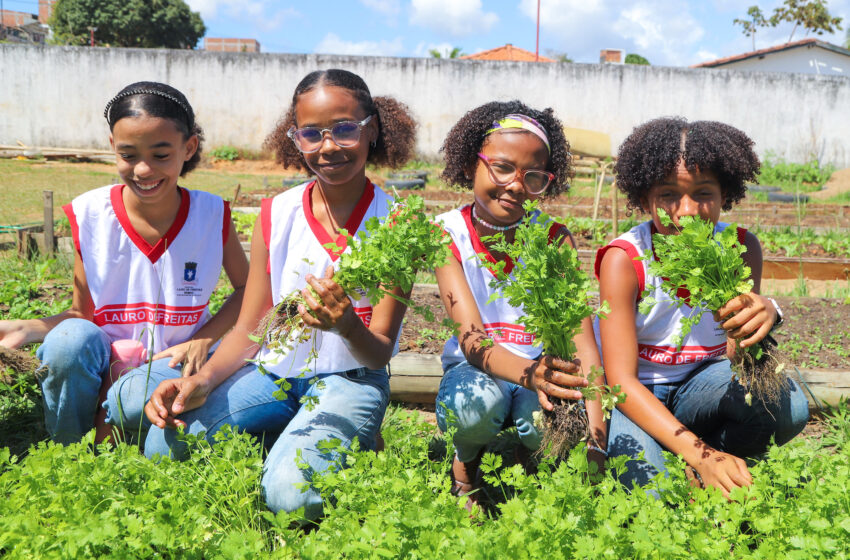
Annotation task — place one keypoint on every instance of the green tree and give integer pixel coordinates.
(456, 52)
(127, 23)
(750, 26)
(633, 58)
(847, 40)
(812, 15)
(558, 55)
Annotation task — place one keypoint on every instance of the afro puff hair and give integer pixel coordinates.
(653, 150)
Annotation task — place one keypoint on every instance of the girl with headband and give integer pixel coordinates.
(148, 256)
(506, 153)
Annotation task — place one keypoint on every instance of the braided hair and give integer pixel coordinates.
(396, 128)
(157, 100)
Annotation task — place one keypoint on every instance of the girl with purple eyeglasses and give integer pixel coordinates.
(494, 376)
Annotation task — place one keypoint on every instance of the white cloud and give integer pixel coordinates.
(453, 18)
(424, 49)
(704, 55)
(263, 14)
(333, 44)
(389, 8)
(663, 31)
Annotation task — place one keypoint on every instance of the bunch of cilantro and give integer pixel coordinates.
(385, 257)
(548, 284)
(710, 266)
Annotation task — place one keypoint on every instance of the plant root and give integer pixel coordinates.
(282, 325)
(564, 427)
(17, 361)
(761, 375)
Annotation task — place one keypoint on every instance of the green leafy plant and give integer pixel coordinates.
(226, 153)
(710, 267)
(387, 256)
(806, 177)
(548, 284)
(244, 223)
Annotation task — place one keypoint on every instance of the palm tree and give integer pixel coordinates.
(456, 52)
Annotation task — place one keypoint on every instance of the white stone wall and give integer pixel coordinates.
(54, 96)
(805, 60)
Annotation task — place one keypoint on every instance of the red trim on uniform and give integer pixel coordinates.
(152, 313)
(151, 252)
(266, 228)
(632, 252)
(455, 251)
(509, 333)
(225, 225)
(352, 225)
(742, 235)
(75, 227)
(554, 229)
(478, 246)
(671, 356)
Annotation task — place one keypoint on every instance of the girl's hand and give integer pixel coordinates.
(332, 311)
(722, 470)
(551, 376)
(192, 354)
(748, 315)
(175, 396)
(14, 334)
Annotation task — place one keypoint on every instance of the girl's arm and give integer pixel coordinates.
(618, 286)
(749, 315)
(372, 346)
(18, 332)
(193, 352)
(175, 396)
(546, 375)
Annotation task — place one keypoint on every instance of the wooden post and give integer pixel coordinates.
(48, 222)
(600, 180)
(614, 210)
(236, 194)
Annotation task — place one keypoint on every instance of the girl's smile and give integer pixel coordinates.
(502, 205)
(150, 153)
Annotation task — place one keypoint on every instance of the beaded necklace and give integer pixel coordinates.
(492, 226)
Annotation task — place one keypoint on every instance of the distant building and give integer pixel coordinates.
(808, 56)
(231, 45)
(612, 56)
(507, 52)
(45, 10)
(22, 27)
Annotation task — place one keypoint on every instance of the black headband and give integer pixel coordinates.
(184, 106)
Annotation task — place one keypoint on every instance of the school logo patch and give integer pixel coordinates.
(189, 272)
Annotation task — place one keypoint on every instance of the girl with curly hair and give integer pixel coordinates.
(506, 153)
(333, 128)
(684, 399)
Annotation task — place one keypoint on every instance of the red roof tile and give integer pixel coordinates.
(507, 52)
(760, 52)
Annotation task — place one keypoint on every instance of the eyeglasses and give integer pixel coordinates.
(344, 134)
(504, 173)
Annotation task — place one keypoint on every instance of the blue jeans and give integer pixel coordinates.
(710, 403)
(351, 404)
(482, 406)
(76, 355)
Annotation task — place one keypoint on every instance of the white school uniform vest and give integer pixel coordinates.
(501, 320)
(157, 294)
(295, 240)
(659, 360)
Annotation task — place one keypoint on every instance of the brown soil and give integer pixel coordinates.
(16, 361)
(839, 183)
(816, 323)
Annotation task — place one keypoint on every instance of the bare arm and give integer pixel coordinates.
(619, 287)
(546, 376)
(19, 332)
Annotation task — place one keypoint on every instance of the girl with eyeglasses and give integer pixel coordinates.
(333, 128)
(494, 376)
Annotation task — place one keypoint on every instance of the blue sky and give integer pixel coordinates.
(667, 32)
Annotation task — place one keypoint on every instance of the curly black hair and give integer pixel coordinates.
(157, 100)
(396, 128)
(468, 135)
(653, 150)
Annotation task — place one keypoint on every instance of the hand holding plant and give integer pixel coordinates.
(710, 267)
(547, 283)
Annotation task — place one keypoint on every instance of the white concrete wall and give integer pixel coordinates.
(54, 96)
(805, 60)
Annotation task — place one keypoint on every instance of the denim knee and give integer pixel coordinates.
(72, 344)
(793, 414)
(287, 488)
